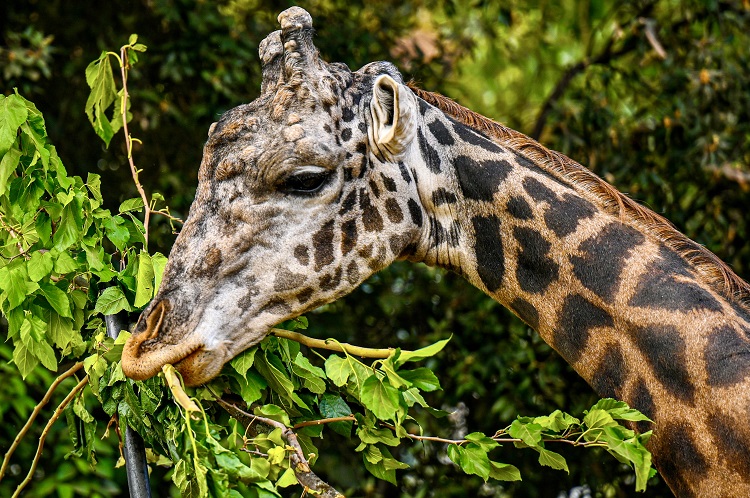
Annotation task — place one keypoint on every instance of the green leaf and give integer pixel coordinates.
(251, 387)
(504, 472)
(134, 204)
(103, 93)
(474, 461)
(552, 459)
(277, 379)
(380, 398)
(421, 378)
(112, 301)
(421, 354)
(332, 406)
(312, 376)
(56, 298)
(117, 231)
(394, 378)
(244, 361)
(372, 435)
(159, 261)
(24, 359)
(276, 455)
(338, 370)
(274, 413)
(37, 137)
(8, 165)
(69, 228)
(14, 281)
(94, 183)
(288, 478)
(13, 114)
(65, 264)
(596, 420)
(630, 450)
(484, 442)
(529, 433)
(385, 468)
(144, 290)
(190, 477)
(80, 410)
(40, 265)
(556, 421)
(59, 330)
(619, 410)
(471, 459)
(33, 337)
(372, 454)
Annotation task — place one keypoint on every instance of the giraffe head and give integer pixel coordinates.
(302, 195)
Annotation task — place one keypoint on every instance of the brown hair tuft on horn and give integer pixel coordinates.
(270, 51)
(300, 54)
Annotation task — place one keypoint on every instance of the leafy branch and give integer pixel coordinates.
(299, 463)
(100, 78)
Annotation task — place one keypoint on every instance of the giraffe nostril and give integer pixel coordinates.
(151, 323)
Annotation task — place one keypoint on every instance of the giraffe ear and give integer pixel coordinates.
(392, 115)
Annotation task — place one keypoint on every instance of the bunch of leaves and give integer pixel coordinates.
(274, 387)
(59, 247)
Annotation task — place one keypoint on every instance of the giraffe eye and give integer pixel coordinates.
(305, 181)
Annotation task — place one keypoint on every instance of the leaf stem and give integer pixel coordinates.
(35, 412)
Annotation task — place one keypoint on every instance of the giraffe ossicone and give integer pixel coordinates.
(331, 175)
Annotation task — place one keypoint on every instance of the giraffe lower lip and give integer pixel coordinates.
(200, 366)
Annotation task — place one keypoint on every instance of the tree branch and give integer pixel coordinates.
(307, 423)
(52, 420)
(299, 464)
(332, 345)
(34, 413)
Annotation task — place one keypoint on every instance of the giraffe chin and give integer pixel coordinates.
(200, 366)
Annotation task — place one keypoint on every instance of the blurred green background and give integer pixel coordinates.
(654, 96)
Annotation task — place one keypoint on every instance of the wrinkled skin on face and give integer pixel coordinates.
(295, 207)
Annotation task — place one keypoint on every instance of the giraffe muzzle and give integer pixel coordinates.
(145, 352)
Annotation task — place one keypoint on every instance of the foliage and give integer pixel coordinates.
(672, 132)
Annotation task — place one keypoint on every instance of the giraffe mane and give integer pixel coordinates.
(717, 273)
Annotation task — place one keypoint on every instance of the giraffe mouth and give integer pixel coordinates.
(200, 366)
(144, 354)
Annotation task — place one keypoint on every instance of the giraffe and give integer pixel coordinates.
(331, 175)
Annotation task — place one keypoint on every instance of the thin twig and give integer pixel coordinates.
(332, 345)
(124, 64)
(307, 423)
(52, 420)
(34, 414)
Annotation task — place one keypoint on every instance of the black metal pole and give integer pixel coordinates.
(135, 451)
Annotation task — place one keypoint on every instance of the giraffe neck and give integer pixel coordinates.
(633, 317)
